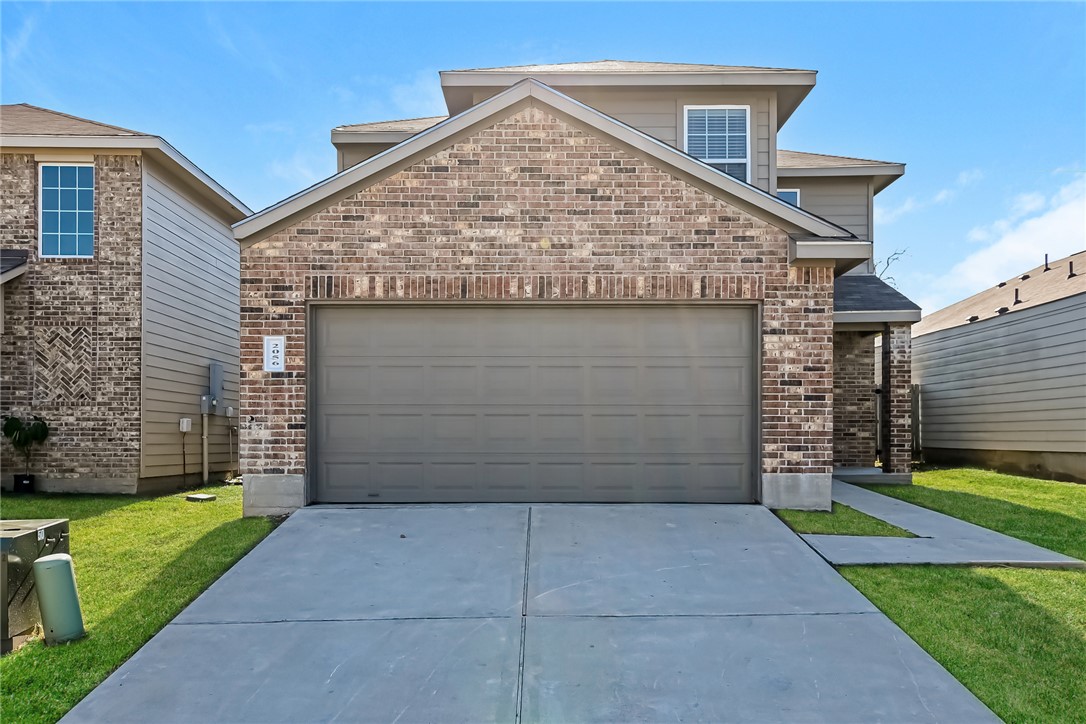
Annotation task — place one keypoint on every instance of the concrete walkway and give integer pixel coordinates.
(510, 613)
(942, 538)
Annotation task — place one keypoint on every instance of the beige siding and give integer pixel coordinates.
(348, 155)
(844, 201)
(191, 318)
(1011, 383)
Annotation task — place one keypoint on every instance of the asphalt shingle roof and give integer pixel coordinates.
(868, 293)
(12, 259)
(23, 119)
(801, 159)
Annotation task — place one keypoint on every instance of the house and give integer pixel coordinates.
(124, 307)
(590, 282)
(1002, 375)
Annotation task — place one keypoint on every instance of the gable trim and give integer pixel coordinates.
(527, 92)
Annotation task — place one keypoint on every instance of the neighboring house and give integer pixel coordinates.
(127, 295)
(591, 282)
(1002, 375)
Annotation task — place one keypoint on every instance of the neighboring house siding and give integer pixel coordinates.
(191, 266)
(1015, 383)
(70, 349)
(844, 201)
(568, 217)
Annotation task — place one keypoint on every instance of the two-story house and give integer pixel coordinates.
(120, 306)
(590, 282)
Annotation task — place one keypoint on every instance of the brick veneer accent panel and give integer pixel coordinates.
(855, 405)
(897, 373)
(533, 208)
(70, 350)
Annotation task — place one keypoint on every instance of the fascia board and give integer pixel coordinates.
(877, 316)
(484, 79)
(156, 146)
(339, 137)
(834, 171)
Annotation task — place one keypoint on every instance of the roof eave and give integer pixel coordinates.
(13, 273)
(794, 218)
(157, 147)
(339, 136)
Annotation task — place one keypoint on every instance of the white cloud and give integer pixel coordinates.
(884, 215)
(1055, 226)
(301, 169)
(419, 97)
(18, 44)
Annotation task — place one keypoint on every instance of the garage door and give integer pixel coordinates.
(532, 403)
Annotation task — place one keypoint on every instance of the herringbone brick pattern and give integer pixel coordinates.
(64, 364)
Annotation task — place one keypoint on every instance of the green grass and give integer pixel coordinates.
(1044, 512)
(1015, 637)
(842, 520)
(138, 562)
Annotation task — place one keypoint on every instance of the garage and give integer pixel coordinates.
(412, 403)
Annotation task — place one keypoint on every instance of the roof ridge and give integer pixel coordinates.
(80, 118)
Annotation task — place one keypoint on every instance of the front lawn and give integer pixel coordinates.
(138, 562)
(1015, 637)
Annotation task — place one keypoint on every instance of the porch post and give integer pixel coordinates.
(896, 442)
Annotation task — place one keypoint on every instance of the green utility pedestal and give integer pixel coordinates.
(58, 599)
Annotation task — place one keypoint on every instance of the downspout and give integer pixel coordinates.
(203, 448)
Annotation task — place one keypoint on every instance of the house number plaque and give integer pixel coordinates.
(275, 354)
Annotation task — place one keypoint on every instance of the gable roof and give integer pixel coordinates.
(523, 93)
(23, 119)
(31, 127)
(1035, 287)
(626, 66)
(406, 125)
(799, 164)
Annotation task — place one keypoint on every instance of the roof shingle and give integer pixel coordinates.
(868, 293)
(23, 119)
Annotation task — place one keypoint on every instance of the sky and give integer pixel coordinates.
(984, 102)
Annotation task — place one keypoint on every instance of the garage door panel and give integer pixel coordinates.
(586, 405)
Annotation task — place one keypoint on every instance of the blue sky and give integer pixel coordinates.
(985, 102)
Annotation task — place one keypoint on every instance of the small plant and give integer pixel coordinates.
(25, 434)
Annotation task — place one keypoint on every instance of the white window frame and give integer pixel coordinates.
(94, 190)
(795, 191)
(686, 134)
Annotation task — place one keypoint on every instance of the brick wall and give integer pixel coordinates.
(70, 350)
(855, 408)
(533, 208)
(897, 392)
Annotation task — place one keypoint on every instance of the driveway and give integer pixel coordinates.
(564, 613)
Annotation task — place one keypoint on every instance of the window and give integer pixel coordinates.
(789, 195)
(718, 136)
(67, 210)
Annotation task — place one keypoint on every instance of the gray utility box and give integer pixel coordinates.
(21, 543)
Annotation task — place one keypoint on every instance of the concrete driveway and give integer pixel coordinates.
(563, 613)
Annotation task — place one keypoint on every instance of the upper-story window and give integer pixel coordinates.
(789, 195)
(67, 210)
(719, 136)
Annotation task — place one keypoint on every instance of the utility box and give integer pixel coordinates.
(21, 543)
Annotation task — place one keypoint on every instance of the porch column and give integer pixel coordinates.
(896, 440)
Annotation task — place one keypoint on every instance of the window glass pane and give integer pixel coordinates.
(67, 177)
(86, 222)
(737, 170)
(695, 121)
(696, 146)
(50, 176)
(68, 245)
(50, 222)
(791, 197)
(67, 222)
(717, 134)
(86, 245)
(67, 199)
(86, 199)
(50, 244)
(50, 199)
(86, 177)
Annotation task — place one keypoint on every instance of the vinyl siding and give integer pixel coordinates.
(1016, 382)
(191, 318)
(844, 201)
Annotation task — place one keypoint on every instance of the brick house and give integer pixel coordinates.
(121, 298)
(591, 282)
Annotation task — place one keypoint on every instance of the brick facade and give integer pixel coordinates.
(855, 406)
(532, 208)
(897, 375)
(70, 350)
